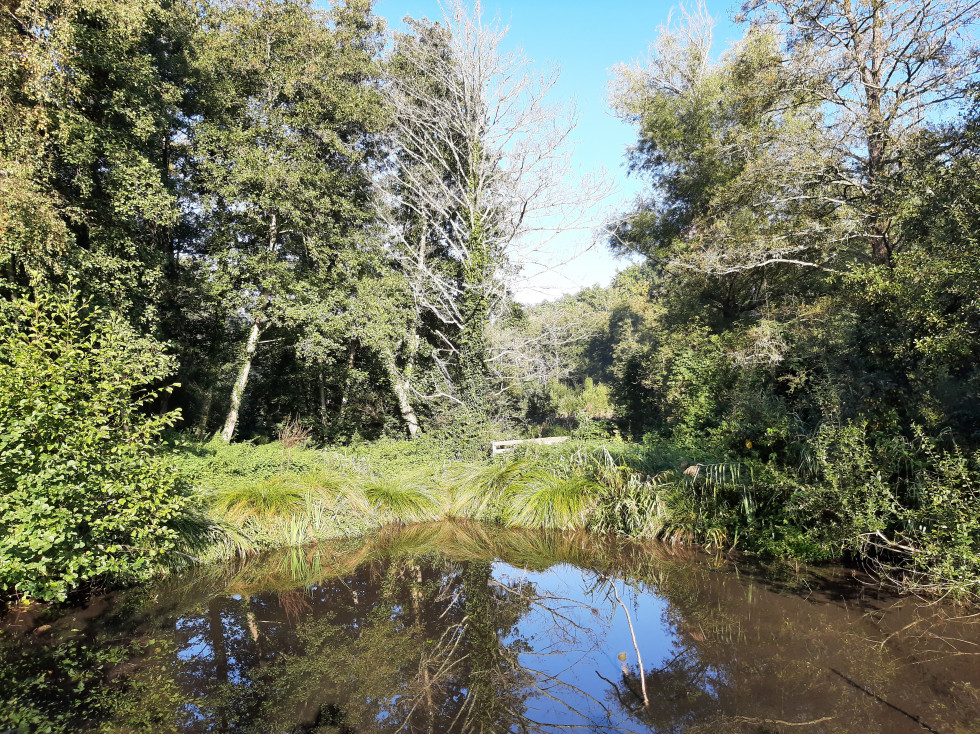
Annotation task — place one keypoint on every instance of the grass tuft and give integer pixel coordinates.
(400, 500)
(545, 500)
(271, 497)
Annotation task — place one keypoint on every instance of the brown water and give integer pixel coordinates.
(462, 628)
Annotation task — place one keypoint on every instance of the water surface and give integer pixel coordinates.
(464, 628)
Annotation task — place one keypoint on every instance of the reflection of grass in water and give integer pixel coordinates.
(539, 551)
(459, 541)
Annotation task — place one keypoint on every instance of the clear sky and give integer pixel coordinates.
(585, 39)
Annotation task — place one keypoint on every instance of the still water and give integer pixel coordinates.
(465, 628)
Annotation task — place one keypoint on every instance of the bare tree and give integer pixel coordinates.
(541, 349)
(479, 178)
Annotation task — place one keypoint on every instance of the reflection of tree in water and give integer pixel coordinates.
(682, 692)
(430, 640)
(747, 656)
(671, 696)
(419, 643)
(425, 654)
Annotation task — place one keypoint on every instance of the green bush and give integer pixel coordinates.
(940, 532)
(848, 495)
(217, 465)
(83, 492)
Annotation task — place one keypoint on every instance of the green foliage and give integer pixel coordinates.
(799, 350)
(479, 491)
(846, 495)
(85, 493)
(940, 531)
(591, 399)
(57, 686)
(789, 326)
(544, 500)
(401, 499)
(216, 463)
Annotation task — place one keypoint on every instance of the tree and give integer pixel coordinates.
(90, 93)
(882, 69)
(735, 149)
(282, 182)
(478, 164)
(544, 343)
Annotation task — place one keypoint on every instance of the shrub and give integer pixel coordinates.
(940, 532)
(848, 495)
(85, 494)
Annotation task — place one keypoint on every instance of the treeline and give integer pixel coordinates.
(228, 217)
(810, 239)
(313, 219)
(808, 303)
(254, 218)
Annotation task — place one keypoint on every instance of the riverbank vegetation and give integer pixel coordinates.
(256, 268)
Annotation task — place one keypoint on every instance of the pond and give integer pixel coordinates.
(467, 628)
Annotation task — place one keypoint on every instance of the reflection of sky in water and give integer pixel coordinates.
(577, 630)
(195, 646)
(538, 650)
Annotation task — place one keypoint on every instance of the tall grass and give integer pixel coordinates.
(400, 500)
(251, 501)
(478, 491)
(271, 497)
(544, 500)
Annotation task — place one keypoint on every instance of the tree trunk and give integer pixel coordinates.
(323, 398)
(876, 130)
(250, 347)
(236, 392)
(400, 388)
(219, 657)
(202, 428)
(345, 391)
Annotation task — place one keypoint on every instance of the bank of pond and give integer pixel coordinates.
(467, 627)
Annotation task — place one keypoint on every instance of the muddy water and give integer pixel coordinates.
(461, 628)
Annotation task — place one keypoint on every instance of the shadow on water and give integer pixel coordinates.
(457, 627)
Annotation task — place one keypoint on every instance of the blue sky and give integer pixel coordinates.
(585, 40)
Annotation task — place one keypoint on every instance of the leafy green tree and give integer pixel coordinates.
(922, 333)
(726, 145)
(281, 176)
(91, 97)
(85, 493)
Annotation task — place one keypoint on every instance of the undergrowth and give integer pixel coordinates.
(837, 503)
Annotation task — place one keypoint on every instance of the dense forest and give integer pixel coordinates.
(253, 245)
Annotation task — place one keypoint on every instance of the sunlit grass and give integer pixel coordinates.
(545, 500)
(478, 490)
(270, 497)
(400, 500)
(249, 500)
